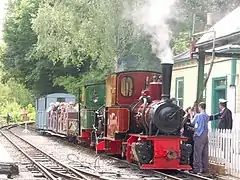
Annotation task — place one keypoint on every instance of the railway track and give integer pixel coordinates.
(42, 164)
(53, 169)
(171, 175)
(45, 166)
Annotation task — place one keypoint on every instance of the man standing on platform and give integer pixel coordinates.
(224, 117)
(200, 137)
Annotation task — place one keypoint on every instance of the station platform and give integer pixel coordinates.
(7, 165)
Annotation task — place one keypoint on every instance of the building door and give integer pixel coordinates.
(219, 92)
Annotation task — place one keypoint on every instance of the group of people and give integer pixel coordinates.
(195, 128)
(63, 106)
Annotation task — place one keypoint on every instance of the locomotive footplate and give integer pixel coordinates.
(158, 152)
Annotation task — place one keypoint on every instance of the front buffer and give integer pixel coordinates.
(161, 152)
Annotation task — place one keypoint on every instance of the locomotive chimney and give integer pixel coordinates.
(166, 80)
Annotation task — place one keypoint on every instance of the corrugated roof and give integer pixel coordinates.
(227, 25)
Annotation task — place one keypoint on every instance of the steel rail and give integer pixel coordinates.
(52, 158)
(160, 174)
(61, 174)
(165, 176)
(196, 176)
(41, 168)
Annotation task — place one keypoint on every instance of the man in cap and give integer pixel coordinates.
(200, 137)
(224, 116)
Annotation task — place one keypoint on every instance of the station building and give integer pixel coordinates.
(224, 79)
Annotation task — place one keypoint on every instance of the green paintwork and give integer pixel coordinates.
(93, 92)
(205, 90)
(90, 93)
(217, 93)
(200, 79)
(87, 118)
(176, 90)
(233, 71)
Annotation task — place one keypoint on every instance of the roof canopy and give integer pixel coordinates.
(228, 25)
(227, 37)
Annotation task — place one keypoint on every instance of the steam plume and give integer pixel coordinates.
(152, 16)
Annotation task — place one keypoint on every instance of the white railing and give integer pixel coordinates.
(224, 149)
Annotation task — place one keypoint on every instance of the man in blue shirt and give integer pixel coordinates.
(200, 137)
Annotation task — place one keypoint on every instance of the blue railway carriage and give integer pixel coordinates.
(43, 103)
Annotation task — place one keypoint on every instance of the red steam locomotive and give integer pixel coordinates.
(141, 123)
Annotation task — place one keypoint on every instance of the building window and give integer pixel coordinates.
(179, 91)
(221, 82)
(127, 86)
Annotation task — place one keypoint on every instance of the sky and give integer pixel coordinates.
(2, 12)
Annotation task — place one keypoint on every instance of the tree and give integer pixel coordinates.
(21, 60)
(96, 29)
(53, 44)
(182, 23)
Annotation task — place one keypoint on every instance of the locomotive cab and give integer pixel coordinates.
(93, 99)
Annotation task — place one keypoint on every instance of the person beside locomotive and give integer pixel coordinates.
(188, 132)
(200, 137)
(224, 117)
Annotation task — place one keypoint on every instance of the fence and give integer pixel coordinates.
(224, 148)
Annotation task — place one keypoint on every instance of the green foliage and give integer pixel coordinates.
(13, 92)
(20, 58)
(13, 108)
(13, 96)
(31, 112)
(181, 43)
(93, 31)
(51, 45)
(67, 32)
(183, 22)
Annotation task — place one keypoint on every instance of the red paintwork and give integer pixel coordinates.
(100, 146)
(155, 90)
(162, 144)
(139, 82)
(110, 146)
(86, 136)
(130, 140)
(139, 109)
(118, 120)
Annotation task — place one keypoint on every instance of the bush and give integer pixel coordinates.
(14, 109)
(31, 112)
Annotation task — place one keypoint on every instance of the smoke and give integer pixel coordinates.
(151, 16)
